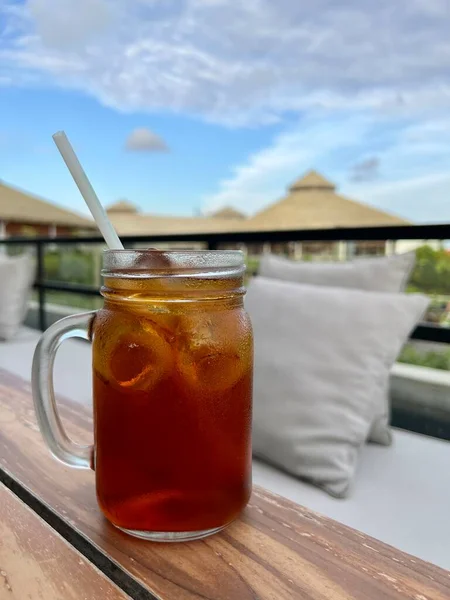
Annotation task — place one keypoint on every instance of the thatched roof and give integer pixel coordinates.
(312, 203)
(19, 206)
(128, 220)
(228, 212)
(145, 224)
(122, 206)
(312, 180)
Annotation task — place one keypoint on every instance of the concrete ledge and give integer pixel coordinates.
(421, 387)
(420, 400)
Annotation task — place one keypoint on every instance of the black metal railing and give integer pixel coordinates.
(213, 241)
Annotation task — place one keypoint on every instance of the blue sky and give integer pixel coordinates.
(188, 105)
(199, 154)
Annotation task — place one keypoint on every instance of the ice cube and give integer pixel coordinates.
(209, 356)
(165, 323)
(131, 356)
(152, 259)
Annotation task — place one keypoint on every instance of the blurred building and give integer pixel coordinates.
(311, 202)
(22, 214)
(129, 220)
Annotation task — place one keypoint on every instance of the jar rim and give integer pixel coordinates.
(172, 263)
(172, 252)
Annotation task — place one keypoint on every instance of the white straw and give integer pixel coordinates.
(87, 191)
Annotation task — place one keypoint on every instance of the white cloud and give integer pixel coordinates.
(144, 140)
(266, 174)
(234, 62)
(412, 180)
(63, 24)
(422, 199)
(414, 176)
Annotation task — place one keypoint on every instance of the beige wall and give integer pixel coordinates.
(402, 246)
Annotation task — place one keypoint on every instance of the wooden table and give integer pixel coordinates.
(53, 533)
(36, 562)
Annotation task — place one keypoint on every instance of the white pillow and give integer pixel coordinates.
(381, 274)
(378, 274)
(322, 362)
(16, 280)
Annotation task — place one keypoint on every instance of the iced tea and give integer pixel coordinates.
(172, 362)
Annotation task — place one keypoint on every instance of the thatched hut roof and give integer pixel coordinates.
(312, 203)
(121, 207)
(18, 206)
(228, 212)
(147, 224)
(312, 180)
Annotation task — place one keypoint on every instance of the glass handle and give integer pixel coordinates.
(61, 446)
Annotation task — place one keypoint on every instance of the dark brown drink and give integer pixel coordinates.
(172, 404)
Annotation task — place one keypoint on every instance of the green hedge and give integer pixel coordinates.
(431, 358)
(73, 266)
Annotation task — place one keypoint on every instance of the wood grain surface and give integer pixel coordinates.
(277, 550)
(36, 563)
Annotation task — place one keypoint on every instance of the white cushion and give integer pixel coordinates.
(322, 362)
(16, 277)
(382, 274)
(377, 274)
(400, 496)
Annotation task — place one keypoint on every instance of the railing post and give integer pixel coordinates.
(212, 245)
(40, 281)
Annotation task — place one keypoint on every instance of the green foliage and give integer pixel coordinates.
(51, 265)
(71, 266)
(252, 263)
(432, 271)
(432, 359)
(17, 249)
(72, 300)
